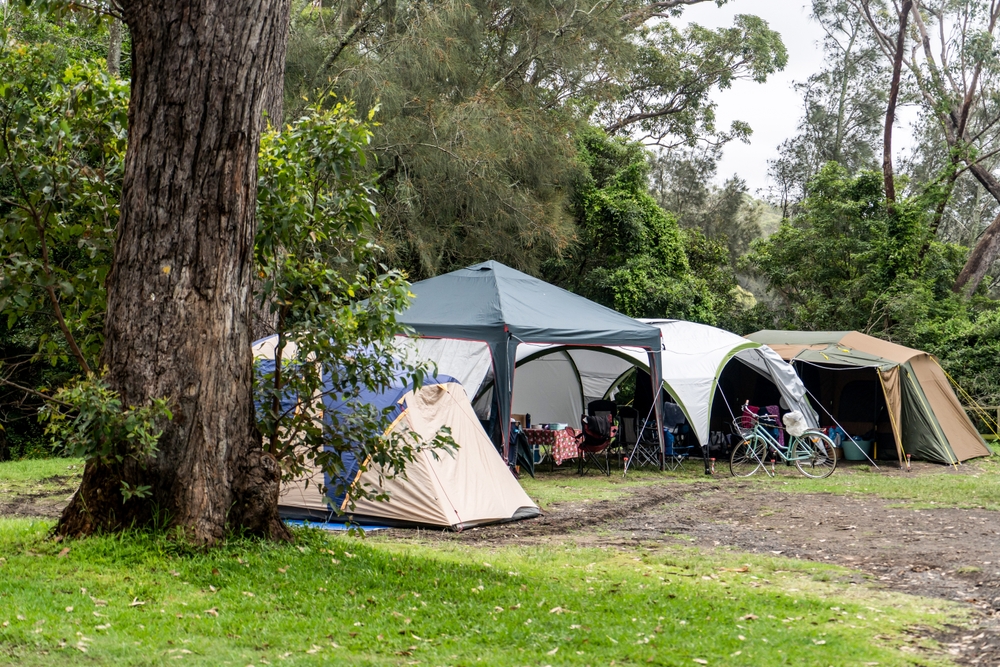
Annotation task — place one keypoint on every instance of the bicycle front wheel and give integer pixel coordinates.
(747, 456)
(815, 455)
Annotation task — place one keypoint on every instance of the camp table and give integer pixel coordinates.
(561, 445)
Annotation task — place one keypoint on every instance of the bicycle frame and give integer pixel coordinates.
(762, 431)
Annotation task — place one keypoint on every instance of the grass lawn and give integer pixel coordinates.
(37, 476)
(141, 599)
(975, 484)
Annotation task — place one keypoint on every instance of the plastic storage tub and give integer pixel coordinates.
(856, 449)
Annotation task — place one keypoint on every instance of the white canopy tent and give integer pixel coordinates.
(554, 383)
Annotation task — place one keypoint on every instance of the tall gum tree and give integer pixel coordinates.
(179, 292)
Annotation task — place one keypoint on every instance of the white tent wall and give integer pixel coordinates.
(599, 370)
(468, 361)
(554, 383)
(548, 388)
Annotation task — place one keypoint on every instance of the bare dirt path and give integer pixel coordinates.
(46, 499)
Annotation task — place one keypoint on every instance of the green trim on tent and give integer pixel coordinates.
(749, 345)
(926, 440)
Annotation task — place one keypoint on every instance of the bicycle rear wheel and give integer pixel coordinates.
(815, 455)
(747, 456)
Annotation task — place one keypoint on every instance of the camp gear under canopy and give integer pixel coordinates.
(461, 488)
(554, 382)
(694, 357)
(926, 419)
(502, 307)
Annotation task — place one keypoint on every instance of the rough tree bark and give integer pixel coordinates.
(114, 47)
(179, 307)
(890, 113)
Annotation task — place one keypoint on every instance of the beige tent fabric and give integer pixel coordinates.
(305, 496)
(463, 488)
(894, 400)
(790, 351)
(961, 433)
(878, 347)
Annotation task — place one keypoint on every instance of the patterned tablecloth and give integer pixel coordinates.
(561, 444)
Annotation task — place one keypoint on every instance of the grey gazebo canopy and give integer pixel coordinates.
(502, 307)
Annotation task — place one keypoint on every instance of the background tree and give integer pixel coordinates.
(62, 139)
(630, 254)
(953, 65)
(480, 102)
(847, 260)
(844, 105)
(681, 181)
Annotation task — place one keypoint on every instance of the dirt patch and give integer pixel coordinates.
(943, 553)
(52, 495)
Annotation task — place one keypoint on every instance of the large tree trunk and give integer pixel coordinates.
(179, 307)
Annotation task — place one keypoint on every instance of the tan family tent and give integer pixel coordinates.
(452, 489)
(870, 385)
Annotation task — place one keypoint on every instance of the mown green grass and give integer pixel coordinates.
(141, 599)
(975, 484)
(38, 476)
(567, 486)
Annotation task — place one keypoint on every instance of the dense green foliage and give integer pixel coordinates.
(62, 137)
(847, 260)
(629, 253)
(331, 300)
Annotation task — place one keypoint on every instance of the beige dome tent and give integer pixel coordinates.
(456, 489)
(851, 373)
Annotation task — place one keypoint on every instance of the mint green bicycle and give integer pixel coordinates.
(813, 452)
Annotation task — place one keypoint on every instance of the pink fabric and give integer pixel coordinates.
(561, 445)
(775, 412)
(750, 413)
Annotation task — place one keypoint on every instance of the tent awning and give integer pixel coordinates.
(502, 307)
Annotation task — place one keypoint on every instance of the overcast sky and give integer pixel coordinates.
(772, 109)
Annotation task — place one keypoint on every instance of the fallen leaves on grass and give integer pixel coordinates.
(62, 554)
(212, 612)
(136, 602)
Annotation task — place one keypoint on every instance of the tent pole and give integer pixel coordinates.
(654, 376)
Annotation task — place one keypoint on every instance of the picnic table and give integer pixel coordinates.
(561, 445)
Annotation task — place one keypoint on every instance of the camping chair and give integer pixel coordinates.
(602, 408)
(675, 431)
(594, 441)
(523, 457)
(628, 431)
(644, 449)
